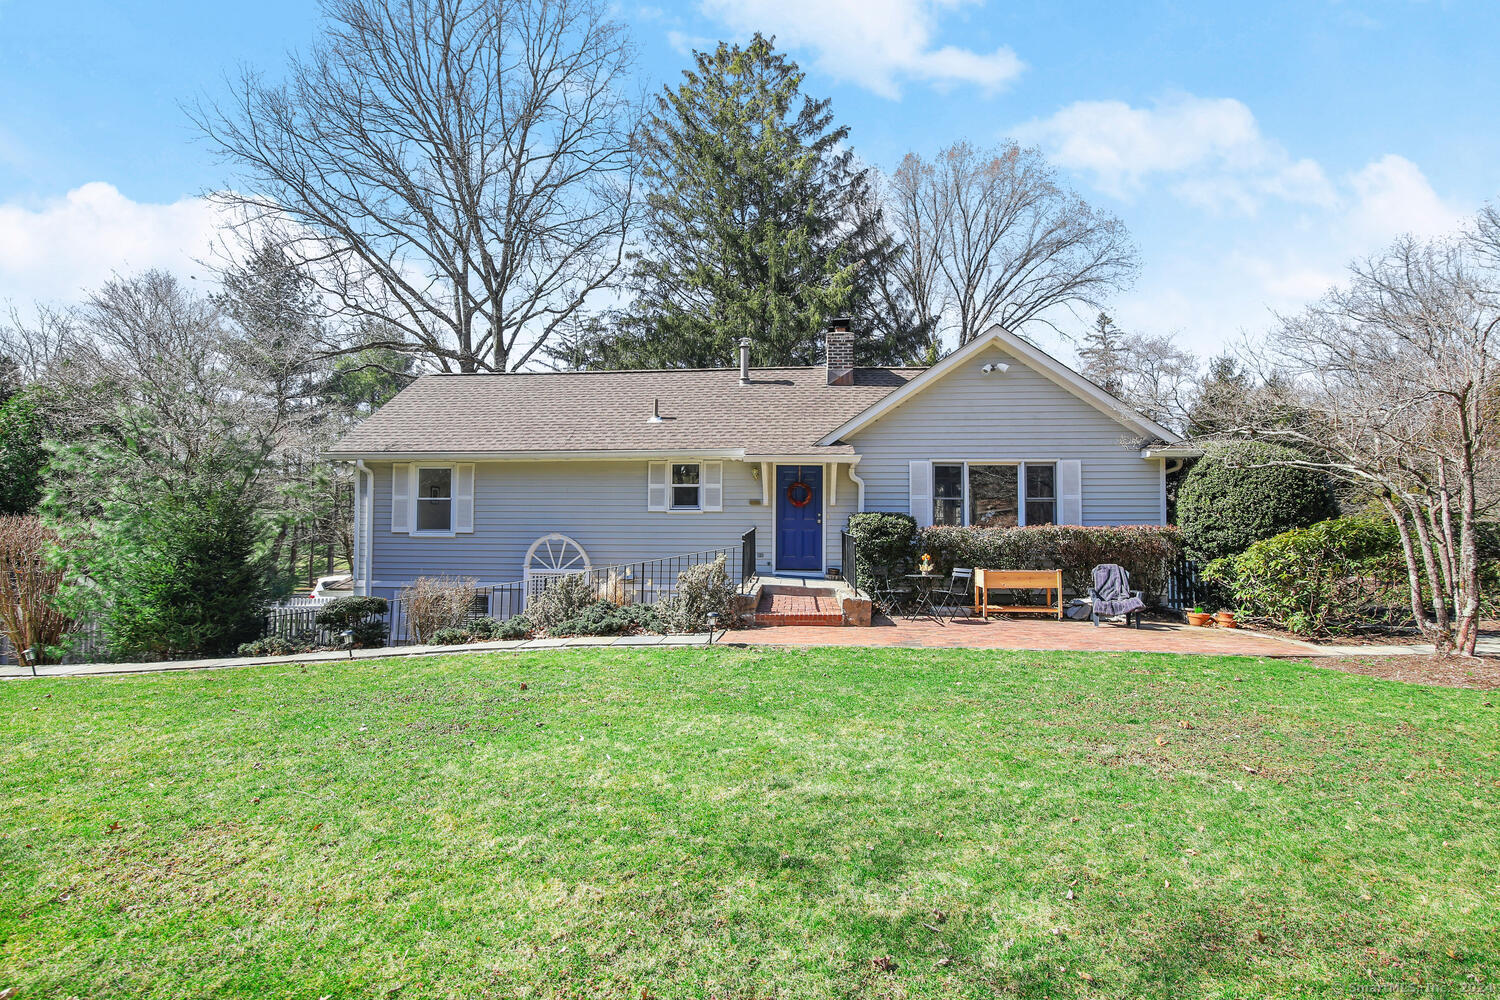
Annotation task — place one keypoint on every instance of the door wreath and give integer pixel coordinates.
(799, 494)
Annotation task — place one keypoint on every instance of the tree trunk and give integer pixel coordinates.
(1439, 638)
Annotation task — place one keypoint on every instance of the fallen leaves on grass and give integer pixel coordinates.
(884, 963)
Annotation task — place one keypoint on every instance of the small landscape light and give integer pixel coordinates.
(32, 655)
(713, 623)
(348, 636)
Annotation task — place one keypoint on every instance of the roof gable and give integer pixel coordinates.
(1027, 353)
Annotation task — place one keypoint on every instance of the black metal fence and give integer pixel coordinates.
(651, 580)
(1185, 587)
(300, 624)
(848, 555)
(645, 582)
(747, 556)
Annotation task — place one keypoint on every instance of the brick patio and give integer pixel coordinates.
(1027, 633)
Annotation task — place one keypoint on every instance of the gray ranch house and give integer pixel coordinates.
(512, 479)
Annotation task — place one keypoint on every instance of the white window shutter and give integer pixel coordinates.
(919, 478)
(463, 499)
(1070, 492)
(713, 485)
(656, 486)
(401, 502)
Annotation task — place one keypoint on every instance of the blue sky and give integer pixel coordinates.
(1251, 148)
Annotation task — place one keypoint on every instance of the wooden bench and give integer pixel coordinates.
(1049, 580)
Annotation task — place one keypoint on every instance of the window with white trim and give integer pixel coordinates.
(948, 494)
(434, 498)
(1041, 494)
(687, 486)
(989, 494)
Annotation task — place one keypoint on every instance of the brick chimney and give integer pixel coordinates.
(839, 355)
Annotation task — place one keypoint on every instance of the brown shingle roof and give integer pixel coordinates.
(783, 411)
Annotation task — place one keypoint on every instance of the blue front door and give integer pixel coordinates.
(799, 517)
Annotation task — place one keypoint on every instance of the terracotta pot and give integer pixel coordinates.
(1200, 618)
(1225, 619)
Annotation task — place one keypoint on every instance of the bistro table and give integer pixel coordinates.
(922, 585)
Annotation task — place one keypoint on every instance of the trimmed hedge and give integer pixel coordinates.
(364, 616)
(884, 544)
(1148, 552)
(1231, 499)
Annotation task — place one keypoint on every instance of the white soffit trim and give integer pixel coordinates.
(1035, 358)
(1172, 451)
(726, 454)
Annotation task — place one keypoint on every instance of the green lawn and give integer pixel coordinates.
(748, 823)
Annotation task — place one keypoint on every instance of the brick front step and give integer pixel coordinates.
(798, 606)
(764, 618)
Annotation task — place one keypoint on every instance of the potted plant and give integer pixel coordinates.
(1199, 617)
(1225, 619)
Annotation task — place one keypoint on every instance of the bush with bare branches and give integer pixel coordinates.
(29, 585)
(438, 602)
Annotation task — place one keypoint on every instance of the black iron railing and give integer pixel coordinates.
(747, 555)
(651, 580)
(848, 555)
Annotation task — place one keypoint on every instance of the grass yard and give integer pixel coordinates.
(741, 823)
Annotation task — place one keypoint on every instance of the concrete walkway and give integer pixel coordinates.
(12, 672)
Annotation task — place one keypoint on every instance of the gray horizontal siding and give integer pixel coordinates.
(1015, 415)
(602, 505)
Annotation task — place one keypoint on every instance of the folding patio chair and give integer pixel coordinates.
(958, 594)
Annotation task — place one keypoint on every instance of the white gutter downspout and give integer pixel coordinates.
(364, 513)
(1174, 468)
(860, 483)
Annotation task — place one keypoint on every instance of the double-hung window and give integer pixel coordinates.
(435, 499)
(948, 494)
(994, 495)
(687, 486)
(1041, 494)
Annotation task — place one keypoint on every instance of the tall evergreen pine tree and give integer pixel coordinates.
(757, 224)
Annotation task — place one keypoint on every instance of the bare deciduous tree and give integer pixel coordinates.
(1010, 244)
(1147, 371)
(913, 213)
(457, 169)
(1394, 382)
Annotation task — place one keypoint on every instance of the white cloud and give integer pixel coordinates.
(877, 44)
(1290, 229)
(61, 248)
(1211, 149)
(1234, 273)
(1392, 197)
